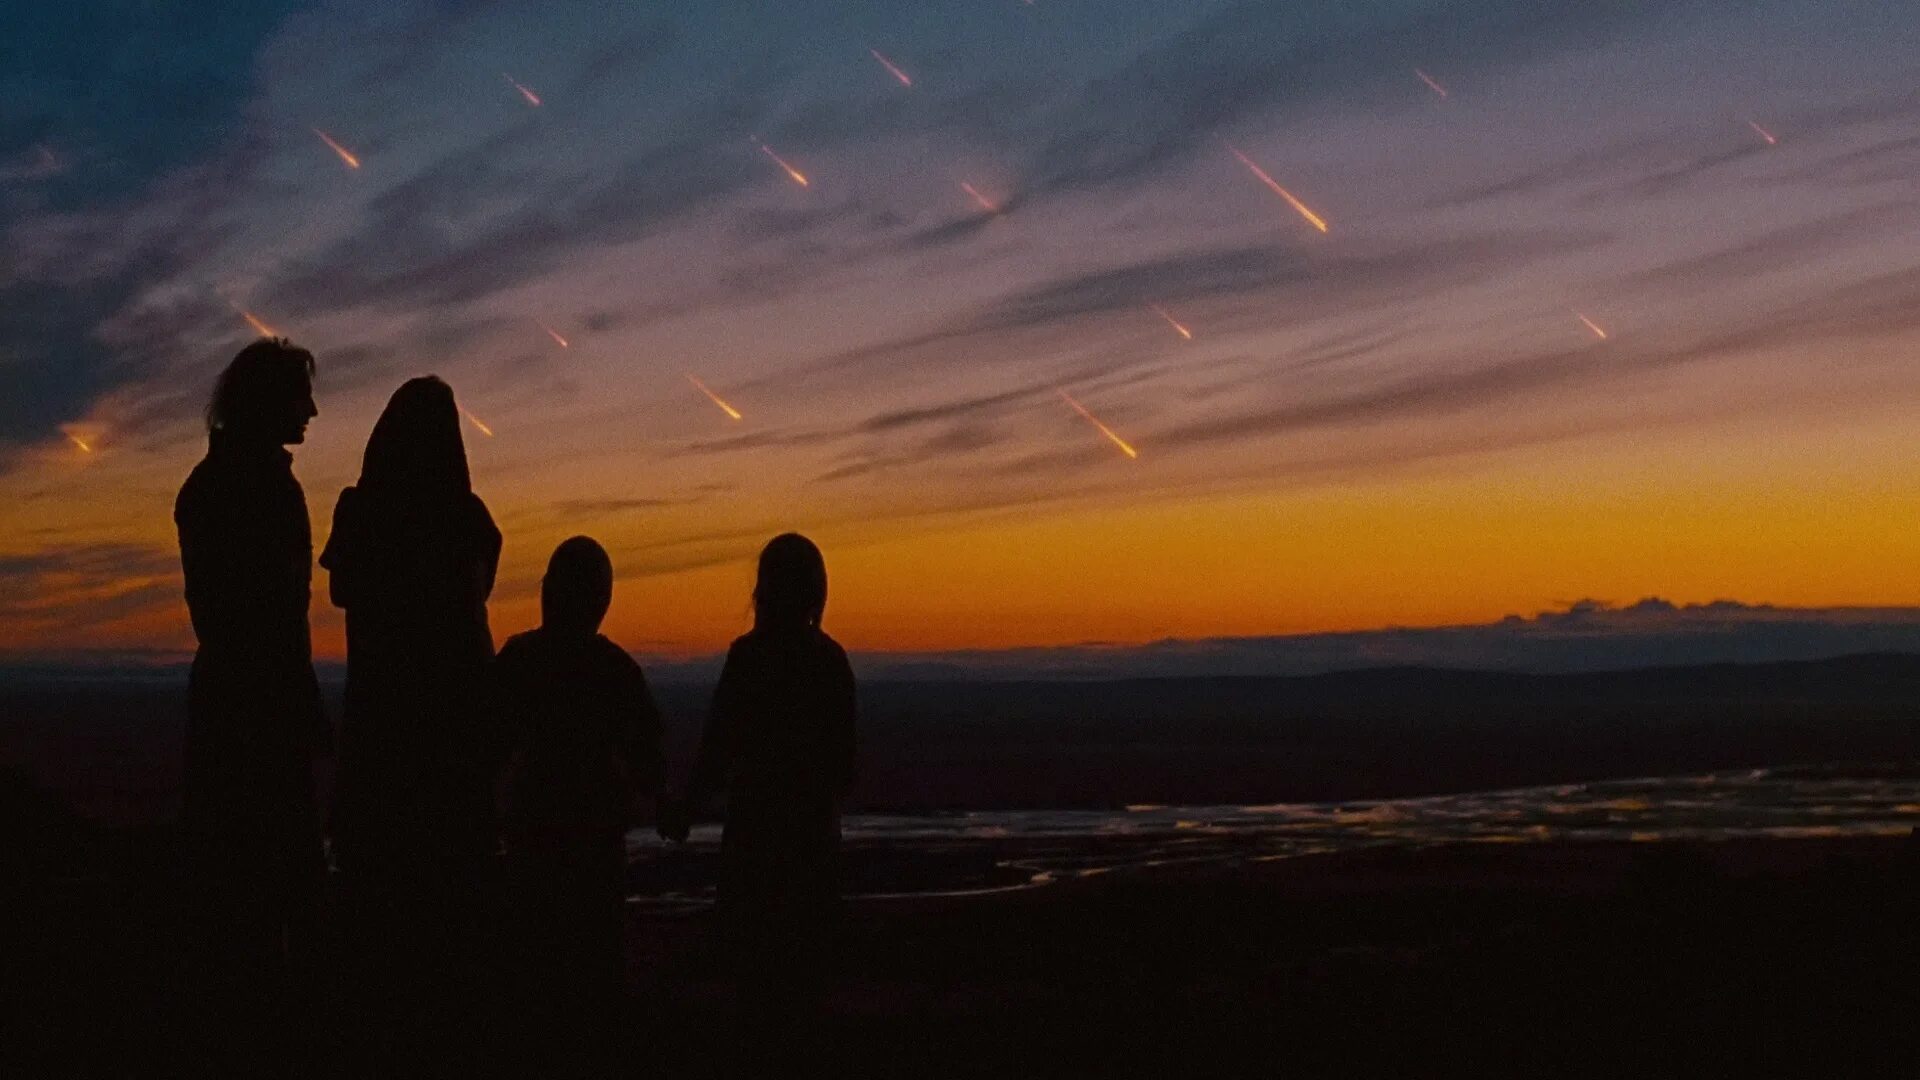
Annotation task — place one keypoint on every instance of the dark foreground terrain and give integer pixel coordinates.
(1782, 957)
(112, 747)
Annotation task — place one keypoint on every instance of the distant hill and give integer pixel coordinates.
(112, 747)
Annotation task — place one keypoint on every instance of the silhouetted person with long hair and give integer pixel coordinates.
(583, 740)
(411, 559)
(255, 723)
(779, 741)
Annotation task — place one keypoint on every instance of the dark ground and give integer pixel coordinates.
(1788, 957)
(112, 748)
(1794, 957)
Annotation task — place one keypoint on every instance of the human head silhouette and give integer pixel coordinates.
(264, 396)
(416, 445)
(578, 586)
(791, 588)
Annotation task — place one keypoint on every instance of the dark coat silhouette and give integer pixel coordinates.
(413, 570)
(780, 741)
(582, 733)
(254, 717)
(583, 741)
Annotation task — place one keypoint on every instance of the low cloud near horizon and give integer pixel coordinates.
(1586, 635)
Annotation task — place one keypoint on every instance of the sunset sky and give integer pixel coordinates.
(1409, 419)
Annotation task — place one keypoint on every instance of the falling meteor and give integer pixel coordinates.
(533, 99)
(259, 327)
(1591, 325)
(892, 68)
(1763, 133)
(1104, 429)
(345, 154)
(980, 200)
(731, 412)
(484, 429)
(1432, 83)
(554, 334)
(78, 441)
(1171, 321)
(1312, 218)
(798, 178)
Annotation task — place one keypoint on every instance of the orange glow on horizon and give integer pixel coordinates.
(724, 407)
(1312, 218)
(1104, 429)
(345, 154)
(892, 68)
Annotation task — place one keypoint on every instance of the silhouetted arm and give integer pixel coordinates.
(718, 739)
(506, 717)
(845, 724)
(486, 564)
(338, 559)
(640, 739)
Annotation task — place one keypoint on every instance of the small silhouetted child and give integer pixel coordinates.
(779, 742)
(582, 737)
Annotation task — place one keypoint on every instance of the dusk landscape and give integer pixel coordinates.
(1363, 539)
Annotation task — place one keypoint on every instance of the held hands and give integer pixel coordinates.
(673, 819)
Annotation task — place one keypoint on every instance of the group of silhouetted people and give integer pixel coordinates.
(450, 755)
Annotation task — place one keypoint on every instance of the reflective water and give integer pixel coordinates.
(994, 851)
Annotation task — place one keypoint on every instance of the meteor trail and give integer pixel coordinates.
(259, 327)
(78, 441)
(484, 429)
(1763, 133)
(797, 176)
(981, 200)
(533, 99)
(1591, 325)
(345, 154)
(1104, 429)
(724, 407)
(554, 334)
(1432, 83)
(1171, 321)
(892, 68)
(1312, 218)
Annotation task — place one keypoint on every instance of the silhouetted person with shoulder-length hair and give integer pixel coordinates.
(583, 744)
(411, 559)
(254, 718)
(779, 741)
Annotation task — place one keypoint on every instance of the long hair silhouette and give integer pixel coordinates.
(416, 444)
(790, 589)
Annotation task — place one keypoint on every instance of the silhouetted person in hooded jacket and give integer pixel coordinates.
(254, 718)
(411, 559)
(582, 735)
(779, 741)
